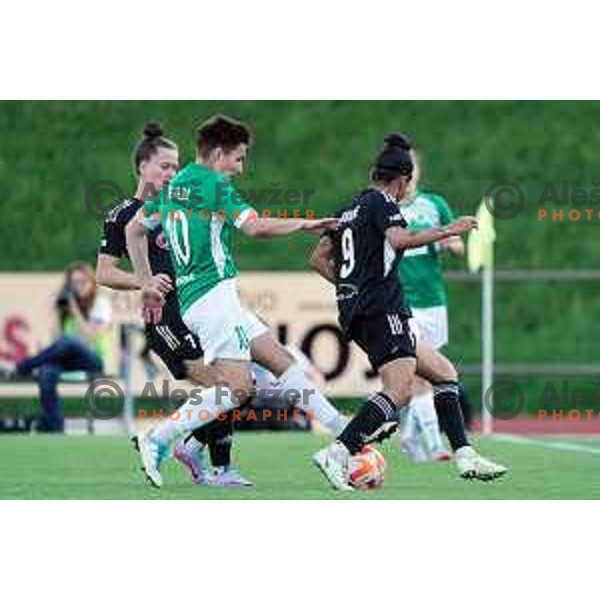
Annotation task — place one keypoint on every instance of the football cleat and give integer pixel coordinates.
(152, 453)
(333, 463)
(471, 465)
(229, 477)
(193, 462)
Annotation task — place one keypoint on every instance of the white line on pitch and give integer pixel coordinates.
(517, 439)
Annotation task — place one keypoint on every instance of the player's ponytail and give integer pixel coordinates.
(152, 139)
(394, 160)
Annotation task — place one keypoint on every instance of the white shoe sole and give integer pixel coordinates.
(153, 478)
(320, 461)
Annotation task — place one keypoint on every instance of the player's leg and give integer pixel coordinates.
(421, 436)
(218, 321)
(390, 345)
(217, 436)
(232, 390)
(181, 355)
(273, 356)
(180, 350)
(436, 368)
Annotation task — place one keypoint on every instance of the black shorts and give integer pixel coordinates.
(383, 338)
(173, 342)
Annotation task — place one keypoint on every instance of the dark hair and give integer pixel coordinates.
(152, 139)
(221, 132)
(394, 160)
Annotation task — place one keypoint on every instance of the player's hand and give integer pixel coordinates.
(318, 226)
(460, 226)
(152, 303)
(162, 282)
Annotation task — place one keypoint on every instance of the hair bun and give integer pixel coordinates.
(153, 130)
(397, 140)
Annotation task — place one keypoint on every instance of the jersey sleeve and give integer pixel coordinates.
(237, 211)
(445, 212)
(384, 212)
(113, 240)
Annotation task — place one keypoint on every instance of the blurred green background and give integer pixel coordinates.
(52, 151)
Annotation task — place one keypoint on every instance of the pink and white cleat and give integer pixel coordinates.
(229, 477)
(193, 462)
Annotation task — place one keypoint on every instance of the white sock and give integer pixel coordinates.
(193, 445)
(411, 428)
(423, 409)
(312, 399)
(192, 414)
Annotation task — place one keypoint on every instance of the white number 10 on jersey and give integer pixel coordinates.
(178, 231)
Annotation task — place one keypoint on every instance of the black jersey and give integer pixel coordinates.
(365, 262)
(114, 243)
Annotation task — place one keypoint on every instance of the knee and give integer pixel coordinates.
(399, 394)
(49, 373)
(446, 372)
(240, 384)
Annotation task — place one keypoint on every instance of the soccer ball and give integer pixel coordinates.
(367, 469)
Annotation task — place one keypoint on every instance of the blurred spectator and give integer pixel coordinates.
(84, 316)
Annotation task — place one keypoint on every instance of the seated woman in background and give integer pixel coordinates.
(84, 318)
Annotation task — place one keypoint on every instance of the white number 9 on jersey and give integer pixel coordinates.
(349, 262)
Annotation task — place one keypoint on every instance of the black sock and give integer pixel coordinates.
(220, 441)
(376, 411)
(465, 405)
(217, 435)
(445, 398)
(200, 434)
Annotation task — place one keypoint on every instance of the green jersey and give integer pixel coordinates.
(420, 270)
(198, 212)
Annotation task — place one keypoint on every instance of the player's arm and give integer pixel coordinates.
(256, 227)
(113, 246)
(453, 245)
(244, 217)
(136, 234)
(110, 275)
(321, 259)
(401, 238)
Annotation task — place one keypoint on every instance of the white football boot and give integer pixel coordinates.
(333, 463)
(152, 453)
(471, 465)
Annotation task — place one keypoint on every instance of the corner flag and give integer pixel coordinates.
(480, 245)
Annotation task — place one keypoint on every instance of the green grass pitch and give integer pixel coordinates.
(48, 467)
